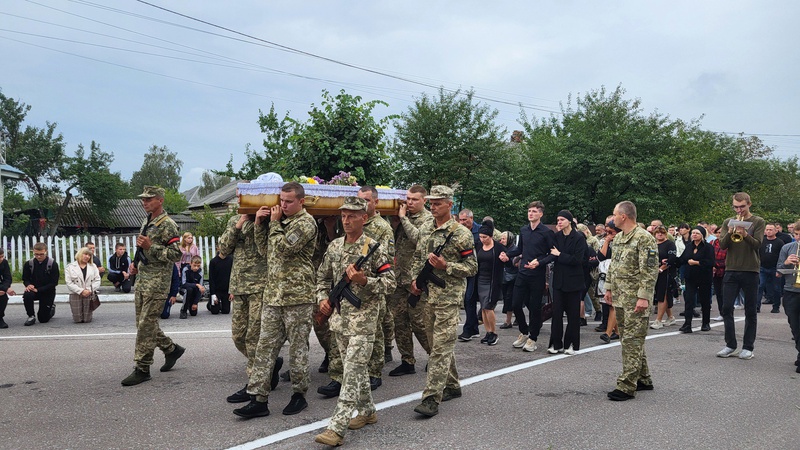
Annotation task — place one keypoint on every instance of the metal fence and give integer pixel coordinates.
(19, 249)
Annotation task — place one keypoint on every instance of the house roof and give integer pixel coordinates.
(222, 196)
(192, 195)
(127, 214)
(11, 172)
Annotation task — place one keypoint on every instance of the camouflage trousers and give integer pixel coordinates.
(355, 394)
(148, 333)
(323, 332)
(376, 360)
(279, 324)
(632, 332)
(388, 326)
(408, 322)
(442, 331)
(246, 326)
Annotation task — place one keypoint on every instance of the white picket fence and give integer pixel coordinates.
(19, 249)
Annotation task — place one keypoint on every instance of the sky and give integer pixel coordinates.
(129, 75)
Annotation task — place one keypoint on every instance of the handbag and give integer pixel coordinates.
(94, 303)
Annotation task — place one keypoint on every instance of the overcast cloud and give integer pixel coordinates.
(733, 62)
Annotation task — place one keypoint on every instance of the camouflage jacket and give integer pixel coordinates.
(405, 241)
(289, 246)
(379, 229)
(249, 272)
(634, 267)
(459, 254)
(155, 277)
(380, 281)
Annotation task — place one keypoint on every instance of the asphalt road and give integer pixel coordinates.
(60, 388)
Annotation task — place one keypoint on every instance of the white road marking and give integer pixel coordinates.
(416, 396)
(133, 333)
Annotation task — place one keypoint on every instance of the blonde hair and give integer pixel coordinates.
(84, 251)
(183, 239)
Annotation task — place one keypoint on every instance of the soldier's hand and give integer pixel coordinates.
(325, 307)
(230, 297)
(414, 289)
(356, 276)
(262, 212)
(402, 211)
(143, 242)
(437, 261)
(241, 221)
(275, 213)
(607, 297)
(641, 305)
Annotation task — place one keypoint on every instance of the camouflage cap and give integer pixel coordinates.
(440, 191)
(354, 204)
(152, 191)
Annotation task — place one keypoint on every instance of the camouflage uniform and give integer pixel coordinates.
(379, 229)
(152, 286)
(632, 276)
(288, 300)
(408, 321)
(445, 303)
(355, 328)
(248, 278)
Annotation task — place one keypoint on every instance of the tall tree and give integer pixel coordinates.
(212, 182)
(447, 139)
(161, 167)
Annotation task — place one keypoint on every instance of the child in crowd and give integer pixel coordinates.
(192, 283)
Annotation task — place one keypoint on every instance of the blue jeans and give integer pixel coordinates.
(768, 285)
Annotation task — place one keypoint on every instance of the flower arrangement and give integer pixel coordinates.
(342, 179)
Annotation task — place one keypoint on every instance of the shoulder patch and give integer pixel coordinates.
(293, 237)
(652, 258)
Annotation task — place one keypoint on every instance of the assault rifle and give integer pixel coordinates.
(342, 288)
(139, 257)
(426, 275)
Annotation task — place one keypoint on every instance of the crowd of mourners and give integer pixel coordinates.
(364, 284)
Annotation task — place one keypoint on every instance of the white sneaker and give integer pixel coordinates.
(717, 319)
(669, 321)
(530, 346)
(569, 350)
(656, 325)
(738, 306)
(727, 351)
(746, 354)
(520, 342)
(552, 350)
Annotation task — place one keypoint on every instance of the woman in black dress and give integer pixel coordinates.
(665, 283)
(698, 257)
(489, 279)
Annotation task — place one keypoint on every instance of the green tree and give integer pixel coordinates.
(211, 224)
(212, 182)
(161, 167)
(450, 139)
(174, 202)
(277, 153)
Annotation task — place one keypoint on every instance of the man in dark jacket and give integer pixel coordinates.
(119, 268)
(40, 277)
(5, 286)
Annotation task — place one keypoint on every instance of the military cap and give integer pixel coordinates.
(440, 191)
(152, 191)
(354, 204)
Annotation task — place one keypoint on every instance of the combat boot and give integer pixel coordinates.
(329, 437)
(428, 407)
(138, 376)
(172, 357)
(252, 409)
(296, 404)
(332, 389)
(450, 393)
(359, 421)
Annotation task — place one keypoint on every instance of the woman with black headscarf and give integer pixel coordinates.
(489, 279)
(698, 257)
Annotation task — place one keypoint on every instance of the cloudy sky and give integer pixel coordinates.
(129, 75)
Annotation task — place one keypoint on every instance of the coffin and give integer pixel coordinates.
(321, 199)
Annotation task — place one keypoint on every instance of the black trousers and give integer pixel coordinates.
(123, 283)
(791, 306)
(732, 282)
(192, 297)
(3, 304)
(571, 303)
(528, 293)
(697, 292)
(223, 304)
(46, 309)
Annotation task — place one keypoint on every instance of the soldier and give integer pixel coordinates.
(456, 263)
(354, 327)
(288, 300)
(408, 320)
(158, 243)
(247, 282)
(630, 286)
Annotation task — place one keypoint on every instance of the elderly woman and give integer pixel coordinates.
(698, 258)
(83, 281)
(568, 285)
